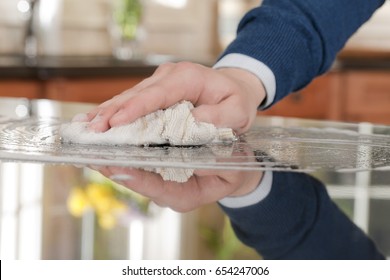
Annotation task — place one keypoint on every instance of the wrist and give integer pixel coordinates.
(254, 88)
(258, 68)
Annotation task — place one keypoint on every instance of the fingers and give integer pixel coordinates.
(169, 84)
(146, 183)
(101, 115)
(181, 197)
(147, 101)
(176, 196)
(197, 191)
(100, 121)
(226, 98)
(207, 186)
(174, 84)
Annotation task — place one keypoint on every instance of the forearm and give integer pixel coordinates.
(296, 40)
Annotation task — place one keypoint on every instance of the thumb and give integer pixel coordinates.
(223, 116)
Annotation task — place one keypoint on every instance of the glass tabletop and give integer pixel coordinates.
(52, 197)
(273, 143)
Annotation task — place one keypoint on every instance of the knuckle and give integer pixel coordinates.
(188, 67)
(164, 67)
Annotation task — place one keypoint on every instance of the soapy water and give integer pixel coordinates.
(264, 147)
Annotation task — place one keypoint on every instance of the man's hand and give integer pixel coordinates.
(226, 97)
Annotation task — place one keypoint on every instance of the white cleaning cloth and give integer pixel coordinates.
(175, 126)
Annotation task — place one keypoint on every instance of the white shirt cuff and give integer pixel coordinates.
(257, 195)
(256, 67)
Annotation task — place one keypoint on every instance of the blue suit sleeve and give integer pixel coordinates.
(298, 220)
(299, 39)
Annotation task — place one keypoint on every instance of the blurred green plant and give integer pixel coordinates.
(224, 244)
(127, 14)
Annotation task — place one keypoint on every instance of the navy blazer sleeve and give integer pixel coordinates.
(299, 39)
(298, 220)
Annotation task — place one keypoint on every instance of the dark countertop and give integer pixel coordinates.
(47, 67)
(52, 67)
(363, 59)
(363, 64)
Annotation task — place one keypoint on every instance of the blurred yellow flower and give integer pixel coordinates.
(100, 198)
(78, 202)
(106, 220)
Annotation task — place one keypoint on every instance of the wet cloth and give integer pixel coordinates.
(174, 126)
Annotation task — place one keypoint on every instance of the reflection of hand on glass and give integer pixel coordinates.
(187, 189)
(204, 187)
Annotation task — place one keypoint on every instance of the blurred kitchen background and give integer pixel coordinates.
(85, 51)
(88, 51)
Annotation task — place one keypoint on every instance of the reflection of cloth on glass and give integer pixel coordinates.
(180, 175)
(175, 126)
(208, 153)
(298, 220)
(170, 171)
